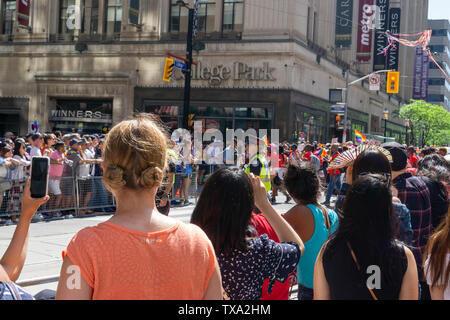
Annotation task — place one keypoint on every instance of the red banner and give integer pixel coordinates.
(365, 30)
(23, 12)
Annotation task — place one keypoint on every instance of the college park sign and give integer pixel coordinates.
(239, 71)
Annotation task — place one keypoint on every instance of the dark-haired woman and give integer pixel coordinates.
(19, 176)
(7, 165)
(374, 161)
(435, 172)
(363, 260)
(437, 261)
(313, 223)
(224, 212)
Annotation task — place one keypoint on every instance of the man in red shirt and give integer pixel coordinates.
(412, 157)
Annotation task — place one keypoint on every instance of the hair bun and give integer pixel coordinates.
(150, 177)
(113, 176)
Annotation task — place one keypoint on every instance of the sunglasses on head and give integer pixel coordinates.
(384, 177)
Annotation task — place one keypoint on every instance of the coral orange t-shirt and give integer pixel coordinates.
(123, 264)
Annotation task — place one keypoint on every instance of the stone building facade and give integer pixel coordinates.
(81, 65)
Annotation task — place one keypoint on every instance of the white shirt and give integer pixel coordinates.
(85, 167)
(19, 172)
(441, 280)
(35, 152)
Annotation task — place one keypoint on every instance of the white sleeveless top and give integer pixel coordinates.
(441, 281)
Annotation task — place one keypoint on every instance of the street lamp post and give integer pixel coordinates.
(406, 128)
(386, 116)
(423, 134)
(310, 121)
(187, 80)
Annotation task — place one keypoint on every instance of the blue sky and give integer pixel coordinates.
(439, 9)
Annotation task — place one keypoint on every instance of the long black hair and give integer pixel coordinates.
(371, 161)
(224, 210)
(368, 223)
(17, 145)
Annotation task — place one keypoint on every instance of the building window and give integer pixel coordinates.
(434, 66)
(206, 16)
(113, 16)
(9, 15)
(233, 16)
(90, 11)
(437, 48)
(439, 32)
(66, 13)
(436, 98)
(179, 17)
(436, 82)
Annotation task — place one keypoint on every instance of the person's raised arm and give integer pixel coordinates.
(281, 227)
(14, 257)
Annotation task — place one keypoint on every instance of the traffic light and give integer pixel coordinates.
(338, 122)
(393, 82)
(168, 69)
(191, 120)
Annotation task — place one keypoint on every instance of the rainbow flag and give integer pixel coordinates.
(359, 137)
(266, 141)
(321, 152)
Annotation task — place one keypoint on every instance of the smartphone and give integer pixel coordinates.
(39, 176)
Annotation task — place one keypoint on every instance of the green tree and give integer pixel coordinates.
(433, 120)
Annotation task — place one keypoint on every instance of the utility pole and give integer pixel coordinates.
(187, 81)
(188, 72)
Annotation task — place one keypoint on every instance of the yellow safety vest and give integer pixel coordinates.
(264, 175)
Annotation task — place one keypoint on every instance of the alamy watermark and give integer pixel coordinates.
(231, 151)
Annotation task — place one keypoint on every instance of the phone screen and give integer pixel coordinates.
(39, 176)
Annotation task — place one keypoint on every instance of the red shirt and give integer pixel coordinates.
(280, 291)
(282, 161)
(335, 171)
(413, 160)
(307, 156)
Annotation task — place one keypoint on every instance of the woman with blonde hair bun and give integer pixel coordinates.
(138, 253)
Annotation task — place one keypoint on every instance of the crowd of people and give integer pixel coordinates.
(387, 236)
(72, 156)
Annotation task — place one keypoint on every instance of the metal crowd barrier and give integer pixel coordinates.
(68, 195)
(74, 196)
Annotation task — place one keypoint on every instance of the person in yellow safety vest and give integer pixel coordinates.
(261, 169)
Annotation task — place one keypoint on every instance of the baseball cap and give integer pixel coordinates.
(74, 141)
(399, 156)
(83, 141)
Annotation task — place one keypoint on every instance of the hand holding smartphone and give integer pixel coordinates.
(39, 177)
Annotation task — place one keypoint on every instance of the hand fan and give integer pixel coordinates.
(349, 156)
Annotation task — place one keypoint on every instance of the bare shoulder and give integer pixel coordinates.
(408, 253)
(297, 211)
